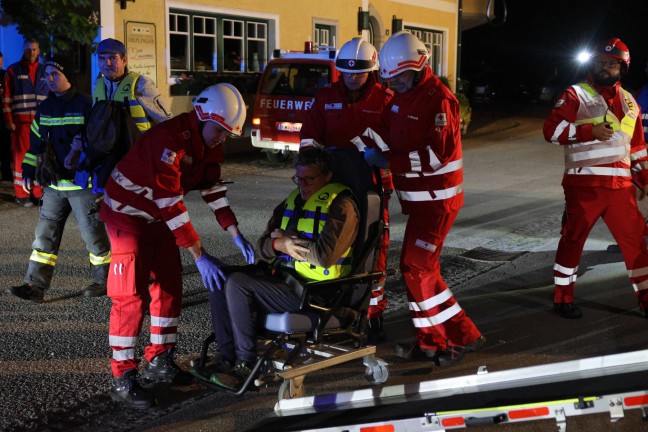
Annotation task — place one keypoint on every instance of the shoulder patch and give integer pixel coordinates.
(394, 108)
(559, 103)
(440, 119)
(168, 156)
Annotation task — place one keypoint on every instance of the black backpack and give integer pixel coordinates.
(110, 133)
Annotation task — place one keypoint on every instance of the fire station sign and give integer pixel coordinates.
(140, 48)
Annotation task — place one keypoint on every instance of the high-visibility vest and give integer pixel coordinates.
(26, 95)
(311, 220)
(125, 92)
(593, 109)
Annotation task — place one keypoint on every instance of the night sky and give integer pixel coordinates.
(540, 37)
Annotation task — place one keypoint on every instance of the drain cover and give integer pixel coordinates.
(483, 254)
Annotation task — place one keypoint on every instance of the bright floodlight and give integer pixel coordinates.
(583, 57)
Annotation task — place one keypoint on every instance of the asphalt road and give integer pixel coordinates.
(54, 368)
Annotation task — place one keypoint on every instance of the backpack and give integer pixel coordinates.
(110, 133)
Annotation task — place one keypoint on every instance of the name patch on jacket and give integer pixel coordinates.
(333, 106)
(168, 156)
(440, 119)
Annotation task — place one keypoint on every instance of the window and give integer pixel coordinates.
(433, 40)
(295, 80)
(324, 35)
(213, 42)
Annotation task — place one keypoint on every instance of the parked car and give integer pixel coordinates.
(552, 88)
(499, 86)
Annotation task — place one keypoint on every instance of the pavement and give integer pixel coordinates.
(497, 259)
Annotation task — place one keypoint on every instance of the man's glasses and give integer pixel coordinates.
(609, 64)
(306, 181)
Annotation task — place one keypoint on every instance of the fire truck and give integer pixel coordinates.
(285, 92)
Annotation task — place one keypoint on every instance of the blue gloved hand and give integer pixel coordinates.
(212, 276)
(246, 248)
(375, 158)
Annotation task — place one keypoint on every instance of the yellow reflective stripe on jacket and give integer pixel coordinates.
(62, 121)
(30, 159)
(593, 109)
(43, 258)
(126, 91)
(65, 185)
(315, 209)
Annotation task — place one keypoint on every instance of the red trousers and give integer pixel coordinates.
(20, 146)
(136, 258)
(437, 317)
(378, 302)
(618, 208)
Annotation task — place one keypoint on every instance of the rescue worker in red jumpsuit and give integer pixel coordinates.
(339, 113)
(598, 124)
(419, 135)
(24, 89)
(147, 221)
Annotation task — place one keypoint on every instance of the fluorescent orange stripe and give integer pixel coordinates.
(452, 421)
(636, 400)
(381, 428)
(528, 413)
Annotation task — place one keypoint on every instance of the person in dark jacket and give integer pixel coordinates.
(59, 121)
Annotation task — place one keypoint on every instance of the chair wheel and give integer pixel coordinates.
(376, 374)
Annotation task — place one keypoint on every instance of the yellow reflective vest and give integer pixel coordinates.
(594, 109)
(310, 222)
(126, 92)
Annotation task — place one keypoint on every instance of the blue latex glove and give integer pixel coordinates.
(246, 248)
(375, 158)
(212, 276)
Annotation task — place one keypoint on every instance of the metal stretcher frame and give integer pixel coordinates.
(612, 384)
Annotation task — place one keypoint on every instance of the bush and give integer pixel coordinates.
(465, 110)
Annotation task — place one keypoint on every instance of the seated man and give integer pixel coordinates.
(310, 235)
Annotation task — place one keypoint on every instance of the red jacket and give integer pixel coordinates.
(420, 131)
(25, 87)
(333, 122)
(149, 183)
(561, 128)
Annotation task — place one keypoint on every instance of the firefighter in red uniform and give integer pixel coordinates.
(598, 123)
(339, 113)
(419, 135)
(146, 218)
(25, 88)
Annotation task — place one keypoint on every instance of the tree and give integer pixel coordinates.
(57, 24)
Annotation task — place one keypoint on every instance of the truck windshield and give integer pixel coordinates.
(294, 80)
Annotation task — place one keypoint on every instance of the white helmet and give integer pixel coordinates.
(402, 51)
(222, 103)
(356, 56)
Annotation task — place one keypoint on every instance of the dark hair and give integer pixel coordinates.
(317, 157)
(1, 54)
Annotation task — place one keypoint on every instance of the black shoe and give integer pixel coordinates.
(235, 378)
(127, 389)
(95, 290)
(413, 351)
(568, 310)
(28, 292)
(24, 202)
(375, 331)
(454, 353)
(162, 368)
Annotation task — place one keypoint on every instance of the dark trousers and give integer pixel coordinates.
(5, 154)
(234, 310)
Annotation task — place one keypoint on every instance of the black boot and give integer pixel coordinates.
(375, 332)
(126, 389)
(28, 292)
(568, 310)
(95, 289)
(163, 368)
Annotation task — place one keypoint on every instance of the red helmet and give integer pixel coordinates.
(614, 47)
